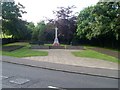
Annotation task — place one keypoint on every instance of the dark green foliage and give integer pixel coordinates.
(12, 24)
(66, 23)
(39, 32)
(31, 26)
(100, 22)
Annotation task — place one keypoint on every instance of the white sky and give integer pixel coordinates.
(38, 9)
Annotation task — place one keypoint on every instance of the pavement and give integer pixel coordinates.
(63, 60)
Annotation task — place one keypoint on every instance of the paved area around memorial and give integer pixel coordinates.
(62, 56)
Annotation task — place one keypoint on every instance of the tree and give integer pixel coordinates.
(31, 26)
(85, 23)
(50, 31)
(66, 23)
(108, 16)
(12, 24)
(38, 33)
(100, 22)
(64, 12)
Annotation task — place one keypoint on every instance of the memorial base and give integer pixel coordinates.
(56, 44)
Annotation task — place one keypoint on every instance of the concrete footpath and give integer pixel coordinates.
(100, 72)
(64, 56)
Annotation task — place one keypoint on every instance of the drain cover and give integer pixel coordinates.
(19, 81)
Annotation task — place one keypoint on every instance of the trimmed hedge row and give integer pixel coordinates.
(7, 40)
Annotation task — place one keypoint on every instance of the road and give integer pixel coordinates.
(19, 76)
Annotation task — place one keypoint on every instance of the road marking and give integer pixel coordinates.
(53, 87)
(3, 77)
(19, 81)
(58, 88)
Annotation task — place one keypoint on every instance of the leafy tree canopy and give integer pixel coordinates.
(12, 24)
(99, 20)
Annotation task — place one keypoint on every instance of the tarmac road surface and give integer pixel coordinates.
(19, 76)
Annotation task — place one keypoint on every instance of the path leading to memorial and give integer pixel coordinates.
(62, 56)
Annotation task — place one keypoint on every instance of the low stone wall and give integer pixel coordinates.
(74, 47)
(39, 47)
(55, 47)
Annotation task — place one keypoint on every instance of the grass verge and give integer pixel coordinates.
(93, 54)
(23, 52)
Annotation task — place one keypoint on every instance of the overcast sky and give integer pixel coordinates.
(38, 9)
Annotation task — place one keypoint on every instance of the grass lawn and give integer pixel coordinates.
(93, 54)
(23, 52)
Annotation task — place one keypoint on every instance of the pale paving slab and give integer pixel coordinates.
(63, 56)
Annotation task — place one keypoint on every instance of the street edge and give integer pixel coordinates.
(67, 71)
